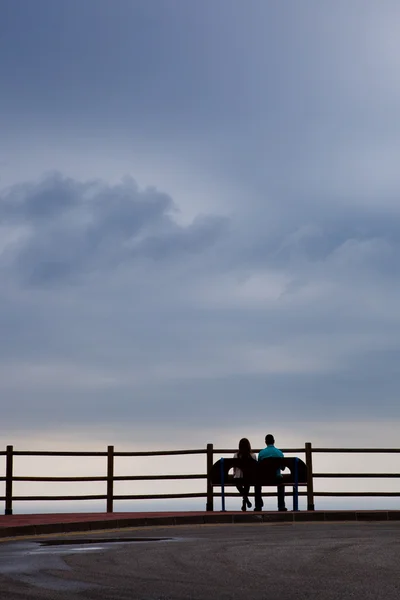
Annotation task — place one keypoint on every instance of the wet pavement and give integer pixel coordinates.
(274, 561)
(31, 562)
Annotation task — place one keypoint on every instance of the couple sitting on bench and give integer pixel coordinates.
(245, 452)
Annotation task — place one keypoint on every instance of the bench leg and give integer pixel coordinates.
(296, 485)
(222, 485)
(295, 498)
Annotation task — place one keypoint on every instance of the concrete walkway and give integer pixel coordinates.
(44, 524)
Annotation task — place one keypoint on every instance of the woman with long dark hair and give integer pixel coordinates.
(244, 452)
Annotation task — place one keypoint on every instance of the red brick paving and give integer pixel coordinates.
(42, 524)
(40, 519)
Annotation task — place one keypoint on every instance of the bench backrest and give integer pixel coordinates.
(260, 473)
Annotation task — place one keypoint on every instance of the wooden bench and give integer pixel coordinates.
(261, 473)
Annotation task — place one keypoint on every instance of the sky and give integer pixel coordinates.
(199, 223)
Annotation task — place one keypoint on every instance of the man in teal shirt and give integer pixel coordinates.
(271, 452)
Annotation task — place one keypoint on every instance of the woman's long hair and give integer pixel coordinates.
(244, 448)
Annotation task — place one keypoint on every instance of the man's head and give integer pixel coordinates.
(269, 440)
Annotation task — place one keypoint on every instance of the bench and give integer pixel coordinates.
(261, 473)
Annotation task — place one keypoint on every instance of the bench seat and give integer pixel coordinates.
(263, 473)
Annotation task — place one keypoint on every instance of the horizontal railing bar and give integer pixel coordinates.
(350, 475)
(191, 495)
(198, 451)
(43, 498)
(116, 497)
(349, 494)
(264, 494)
(201, 495)
(234, 450)
(133, 454)
(144, 453)
(120, 497)
(115, 478)
(158, 477)
(158, 496)
(360, 494)
(189, 476)
(161, 452)
(55, 453)
(57, 479)
(359, 450)
(140, 496)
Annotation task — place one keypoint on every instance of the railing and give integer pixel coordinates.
(210, 494)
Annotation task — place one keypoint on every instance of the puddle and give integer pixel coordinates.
(30, 562)
(24, 562)
(124, 540)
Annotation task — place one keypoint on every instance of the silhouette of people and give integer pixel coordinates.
(271, 452)
(245, 453)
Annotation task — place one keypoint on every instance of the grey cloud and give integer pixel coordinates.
(141, 340)
(74, 228)
(323, 234)
(45, 200)
(191, 239)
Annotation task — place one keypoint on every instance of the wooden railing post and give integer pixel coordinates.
(210, 494)
(310, 480)
(110, 478)
(9, 480)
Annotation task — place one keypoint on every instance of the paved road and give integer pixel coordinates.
(313, 561)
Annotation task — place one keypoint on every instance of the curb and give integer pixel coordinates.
(206, 519)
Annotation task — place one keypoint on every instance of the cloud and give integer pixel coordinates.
(105, 296)
(60, 229)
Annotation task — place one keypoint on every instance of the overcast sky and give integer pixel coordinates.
(199, 221)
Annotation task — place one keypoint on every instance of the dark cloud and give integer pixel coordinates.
(45, 200)
(69, 228)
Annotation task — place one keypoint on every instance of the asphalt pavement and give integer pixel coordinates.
(266, 561)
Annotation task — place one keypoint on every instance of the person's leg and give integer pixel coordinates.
(242, 491)
(258, 497)
(281, 497)
(246, 491)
